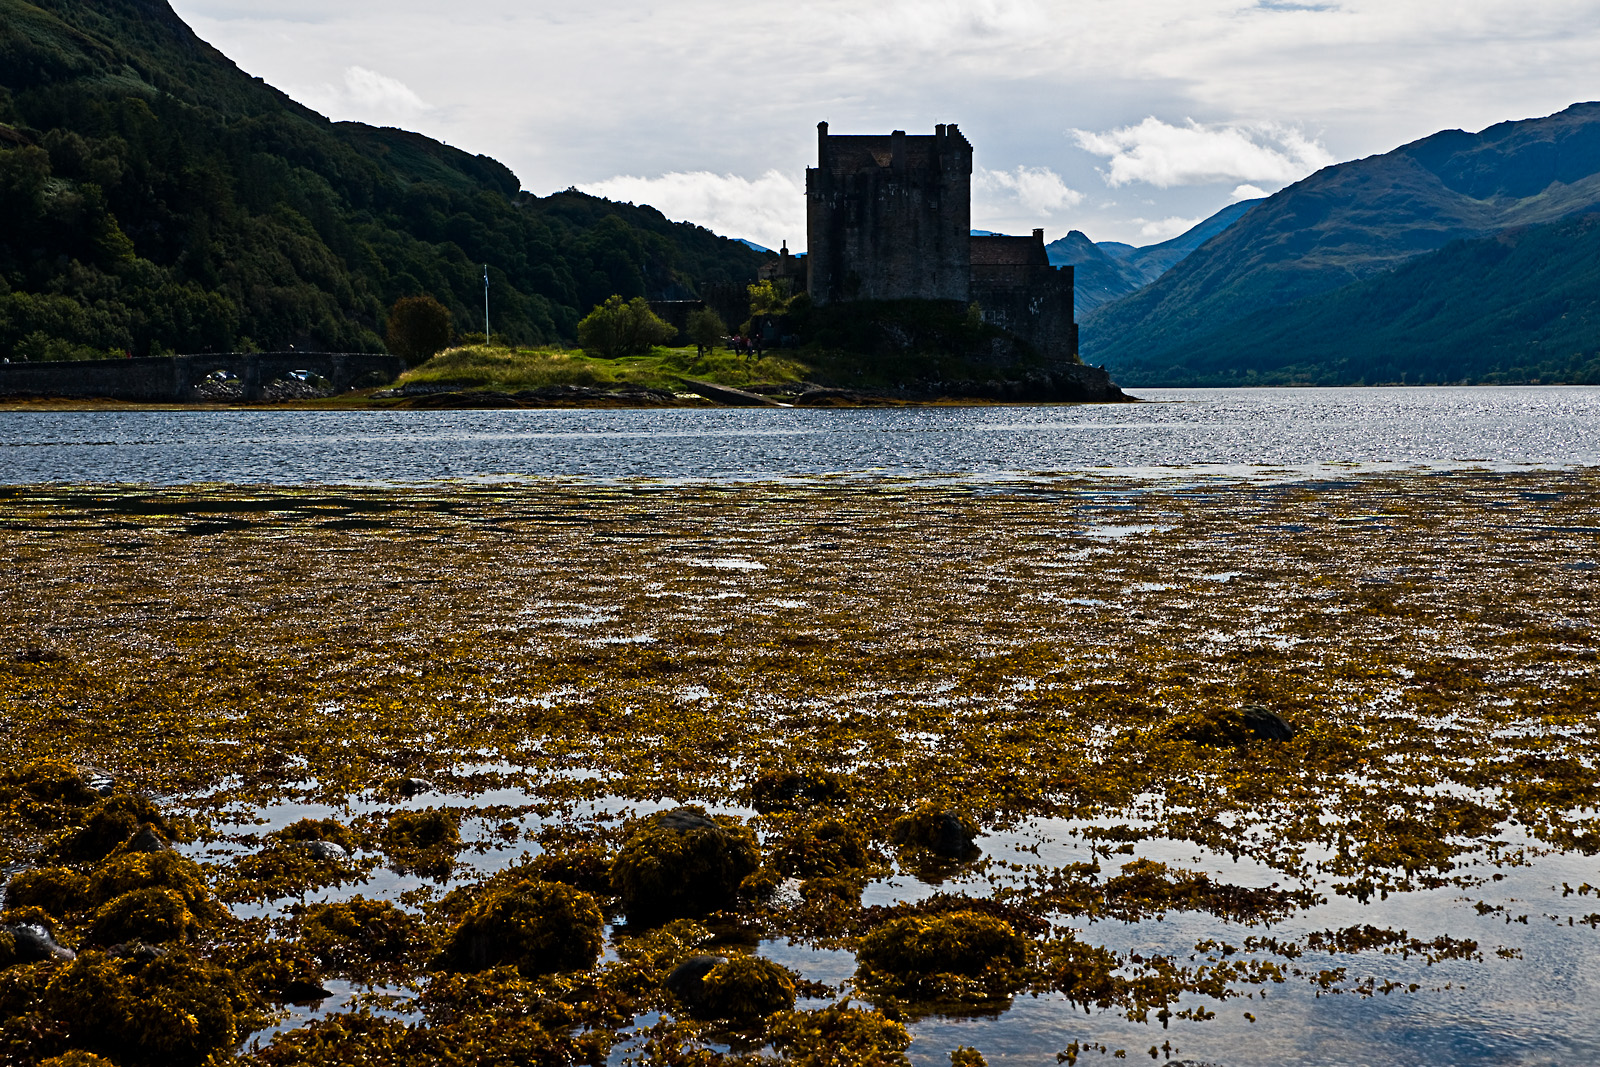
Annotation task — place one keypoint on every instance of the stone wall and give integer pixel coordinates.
(173, 378)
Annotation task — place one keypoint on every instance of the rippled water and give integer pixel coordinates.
(1220, 431)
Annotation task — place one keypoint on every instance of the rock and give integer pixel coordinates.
(302, 993)
(686, 976)
(740, 988)
(327, 851)
(34, 942)
(1267, 724)
(683, 864)
(147, 840)
(936, 830)
(410, 787)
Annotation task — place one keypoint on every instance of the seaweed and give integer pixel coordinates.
(537, 927)
(683, 863)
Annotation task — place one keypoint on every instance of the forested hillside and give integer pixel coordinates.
(156, 198)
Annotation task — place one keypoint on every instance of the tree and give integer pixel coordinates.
(622, 328)
(419, 328)
(706, 329)
(767, 299)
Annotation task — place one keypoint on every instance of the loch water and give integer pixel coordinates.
(1174, 432)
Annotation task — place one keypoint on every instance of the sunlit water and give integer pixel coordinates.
(1531, 1006)
(1224, 432)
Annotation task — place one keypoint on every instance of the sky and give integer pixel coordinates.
(1127, 119)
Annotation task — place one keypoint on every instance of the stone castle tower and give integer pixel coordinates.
(890, 218)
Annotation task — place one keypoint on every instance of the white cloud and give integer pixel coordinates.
(768, 210)
(1037, 190)
(1248, 192)
(1165, 229)
(1164, 155)
(365, 95)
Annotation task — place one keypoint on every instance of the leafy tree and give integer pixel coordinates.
(767, 299)
(419, 328)
(706, 329)
(622, 328)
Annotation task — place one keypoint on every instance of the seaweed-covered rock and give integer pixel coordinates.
(45, 793)
(120, 823)
(788, 790)
(1223, 727)
(312, 832)
(967, 1057)
(937, 830)
(741, 988)
(826, 848)
(424, 841)
(169, 1009)
(537, 927)
(588, 869)
(916, 954)
(359, 937)
(58, 890)
(683, 863)
(278, 971)
(155, 870)
(150, 915)
(76, 1058)
(840, 1035)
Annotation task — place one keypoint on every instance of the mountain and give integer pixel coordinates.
(157, 198)
(1521, 306)
(1110, 269)
(1098, 278)
(1346, 224)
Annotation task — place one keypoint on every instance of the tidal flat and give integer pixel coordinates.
(461, 685)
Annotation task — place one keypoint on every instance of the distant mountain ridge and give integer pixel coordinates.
(1342, 226)
(1108, 270)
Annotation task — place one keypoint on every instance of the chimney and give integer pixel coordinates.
(822, 144)
(938, 131)
(1038, 234)
(897, 150)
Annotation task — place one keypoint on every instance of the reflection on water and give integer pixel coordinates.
(1226, 432)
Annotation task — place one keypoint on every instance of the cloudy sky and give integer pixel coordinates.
(1127, 119)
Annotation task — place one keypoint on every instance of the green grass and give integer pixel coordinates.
(512, 370)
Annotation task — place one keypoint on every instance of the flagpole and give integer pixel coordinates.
(486, 303)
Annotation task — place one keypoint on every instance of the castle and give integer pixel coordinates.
(890, 218)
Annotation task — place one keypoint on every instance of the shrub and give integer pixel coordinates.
(419, 327)
(538, 927)
(622, 328)
(683, 863)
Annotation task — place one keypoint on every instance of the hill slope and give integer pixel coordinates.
(1347, 223)
(1521, 306)
(157, 198)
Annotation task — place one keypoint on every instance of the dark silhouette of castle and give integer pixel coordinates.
(890, 218)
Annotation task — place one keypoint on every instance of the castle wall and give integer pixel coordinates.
(1017, 289)
(888, 218)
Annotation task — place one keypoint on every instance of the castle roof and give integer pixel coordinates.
(854, 153)
(1009, 252)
